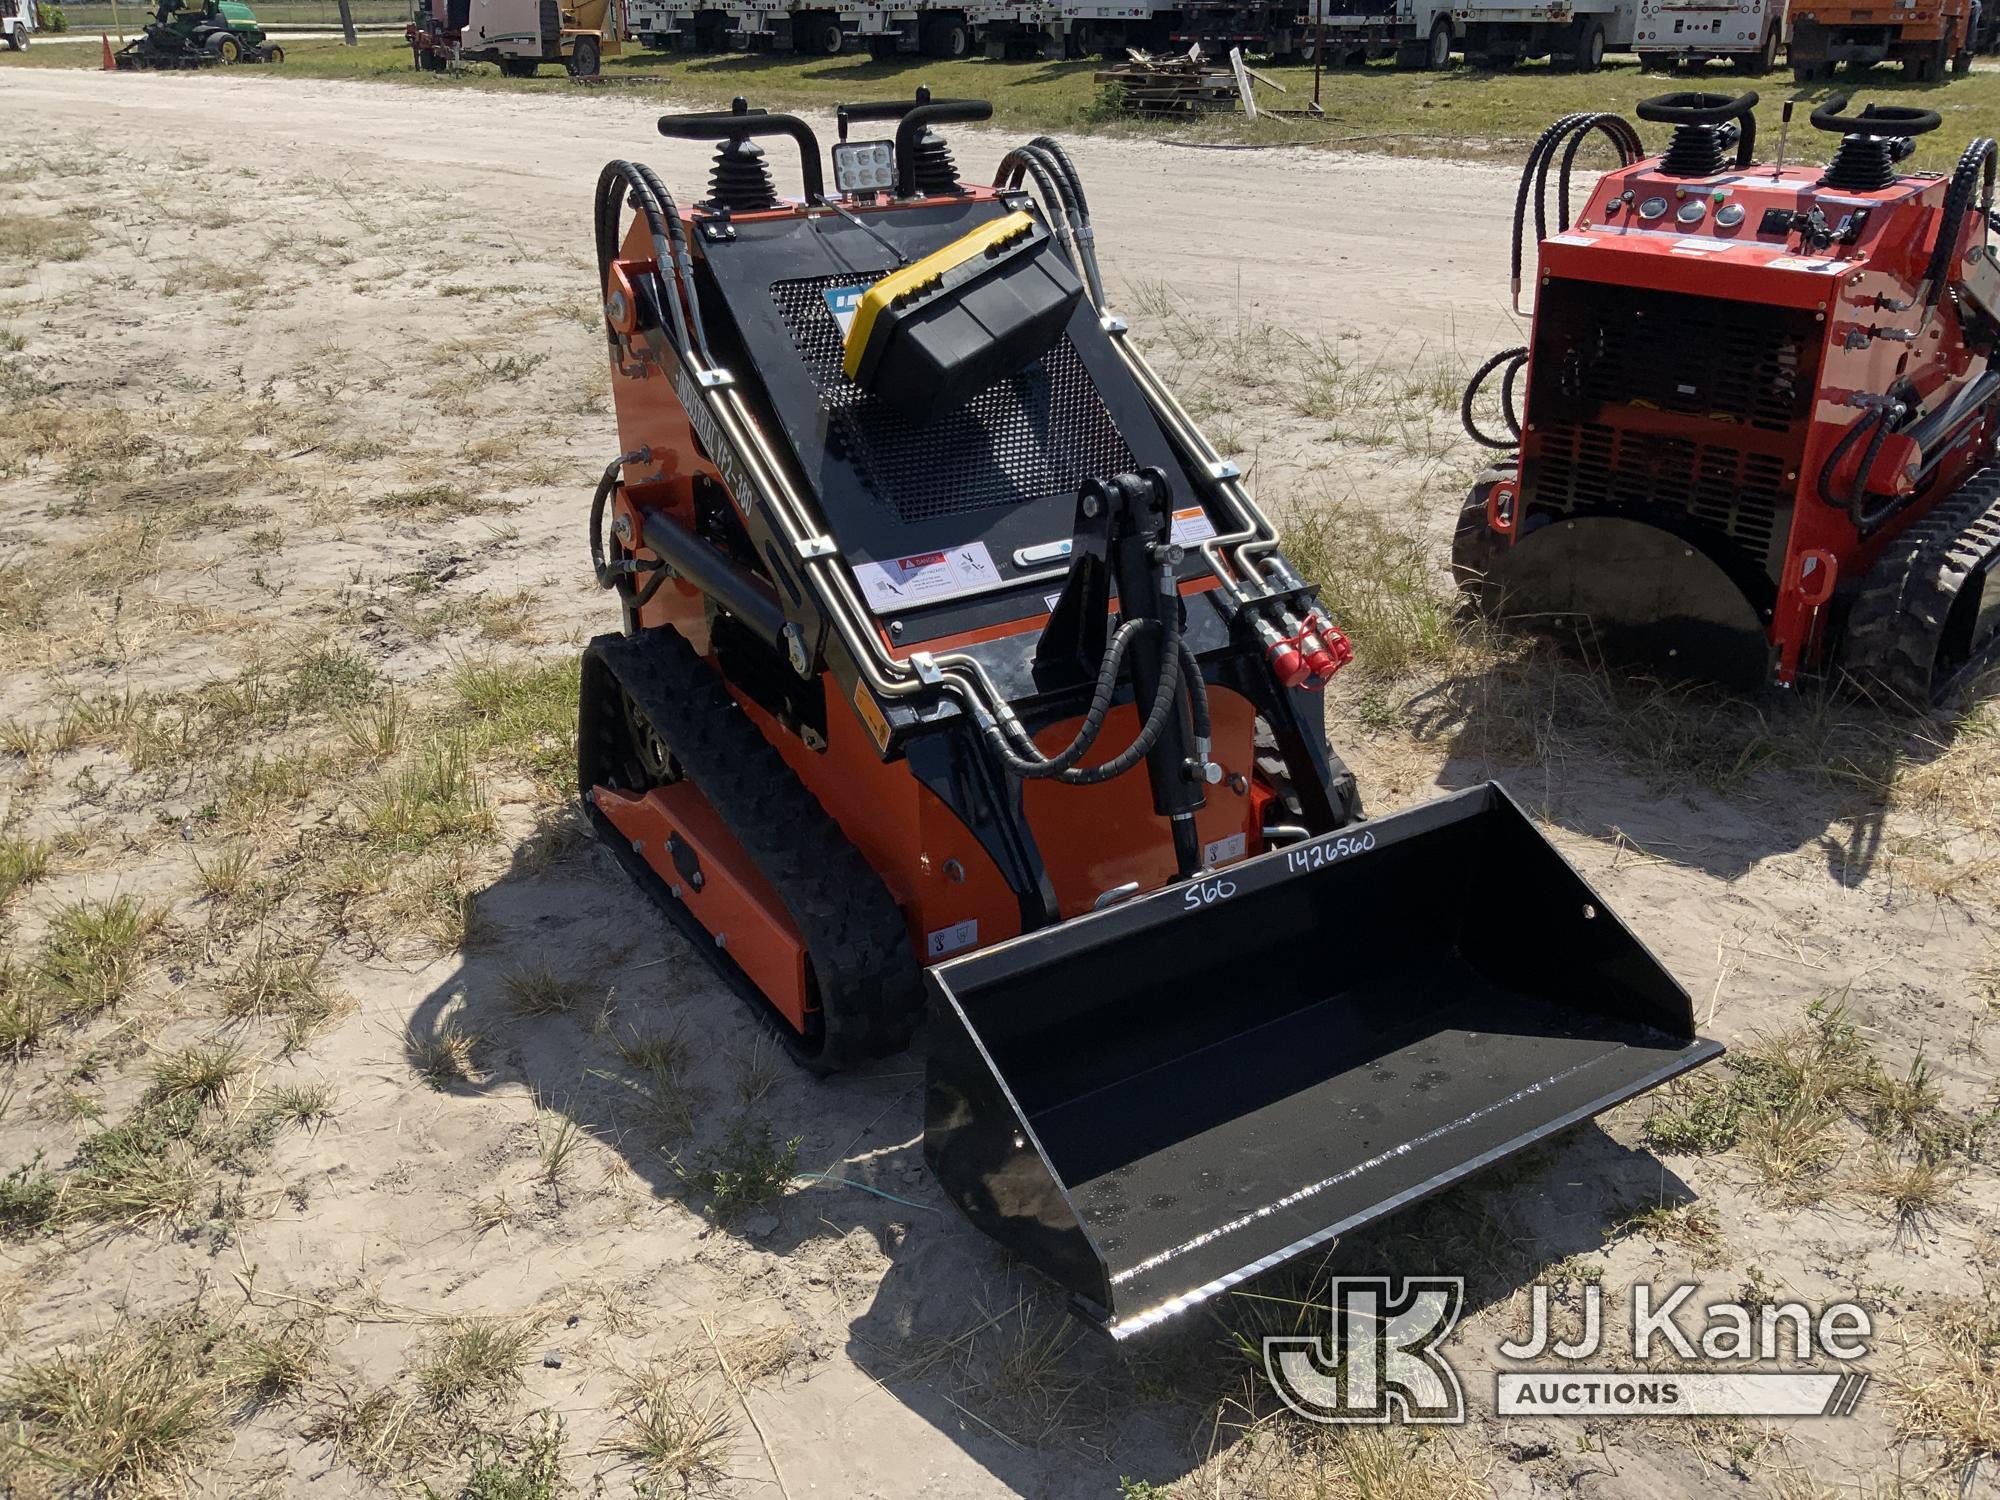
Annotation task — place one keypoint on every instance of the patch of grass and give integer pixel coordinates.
(443, 1056)
(272, 1366)
(302, 1105)
(272, 980)
(26, 1011)
(476, 1361)
(22, 863)
(432, 795)
(535, 1473)
(377, 730)
(127, 1413)
(1781, 1098)
(28, 1196)
(674, 1427)
(92, 952)
(147, 1170)
(428, 500)
(1914, 1194)
(1948, 1394)
(525, 712)
(32, 239)
(204, 1074)
(1900, 1108)
(745, 1169)
(1691, 1226)
(1379, 583)
(225, 873)
(558, 1140)
(538, 990)
(654, 1051)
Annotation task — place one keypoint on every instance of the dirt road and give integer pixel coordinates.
(307, 398)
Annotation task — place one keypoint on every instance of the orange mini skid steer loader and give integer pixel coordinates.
(957, 664)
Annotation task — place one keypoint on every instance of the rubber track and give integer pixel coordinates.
(1898, 618)
(870, 992)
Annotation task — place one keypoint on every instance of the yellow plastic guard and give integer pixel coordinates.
(904, 280)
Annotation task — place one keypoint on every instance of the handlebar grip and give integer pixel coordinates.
(1707, 109)
(920, 119)
(740, 122)
(879, 109)
(1874, 119)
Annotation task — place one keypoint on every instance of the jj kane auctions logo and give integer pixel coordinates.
(1382, 1359)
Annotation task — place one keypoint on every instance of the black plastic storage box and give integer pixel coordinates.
(955, 322)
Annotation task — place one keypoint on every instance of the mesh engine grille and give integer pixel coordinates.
(1727, 369)
(1036, 434)
(1734, 494)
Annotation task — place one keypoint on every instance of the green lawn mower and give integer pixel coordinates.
(186, 36)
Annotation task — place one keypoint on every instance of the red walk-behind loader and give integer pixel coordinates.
(1759, 422)
(956, 661)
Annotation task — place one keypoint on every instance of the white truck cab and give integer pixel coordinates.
(18, 19)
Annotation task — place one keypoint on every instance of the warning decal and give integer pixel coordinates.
(1191, 525)
(927, 577)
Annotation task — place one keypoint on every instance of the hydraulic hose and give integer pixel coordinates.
(1535, 174)
(1516, 360)
(1033, 766)
(1855, 502)
(1977, 162)
(617, 174)
(683, 263)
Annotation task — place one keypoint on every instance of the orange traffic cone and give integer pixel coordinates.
(109, 65)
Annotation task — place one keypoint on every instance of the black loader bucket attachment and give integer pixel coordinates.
(1155, 1102)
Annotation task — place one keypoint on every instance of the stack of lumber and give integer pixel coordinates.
(1177, 83)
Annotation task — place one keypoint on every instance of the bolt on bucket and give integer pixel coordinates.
(1155, 1102)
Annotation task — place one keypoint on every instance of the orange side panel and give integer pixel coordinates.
(1094, 839)
(734, 902)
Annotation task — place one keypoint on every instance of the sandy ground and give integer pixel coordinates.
(369, 291)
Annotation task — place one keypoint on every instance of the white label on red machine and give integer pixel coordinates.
(950, 939)
(1571, 239)
(1223, 850)
(1191, 525)
(927, 577)
(1801, 263)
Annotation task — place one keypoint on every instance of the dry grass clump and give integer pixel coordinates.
(22, 863)
(1947, 1394)
(474, 1361)
(274, 980)
(91, 955)
(539, 990)
(676, 1425)
(132, 1410)
(443, 1055)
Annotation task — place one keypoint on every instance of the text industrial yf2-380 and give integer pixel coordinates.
(956, 662)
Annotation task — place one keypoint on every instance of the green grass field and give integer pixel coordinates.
(1456, 114)
(95, 15)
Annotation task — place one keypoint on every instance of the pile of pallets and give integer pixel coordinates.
(1180, 83)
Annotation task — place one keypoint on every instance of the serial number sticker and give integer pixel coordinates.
(926, 577)
(1191, 525)
(1699, 245)
(1571, 239)
(950, 939)
(1800, 263)
(1223, 850)
(843, 302)
(1327, 851)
